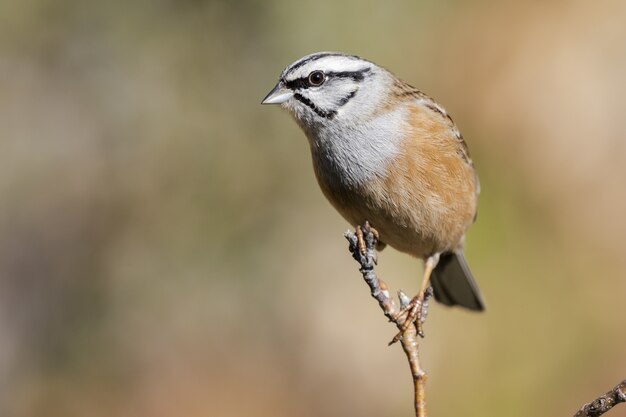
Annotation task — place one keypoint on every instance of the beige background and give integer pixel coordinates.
(165, 250)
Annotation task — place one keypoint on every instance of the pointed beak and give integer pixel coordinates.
(278, 95)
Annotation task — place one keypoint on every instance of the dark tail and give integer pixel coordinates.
(453, 283)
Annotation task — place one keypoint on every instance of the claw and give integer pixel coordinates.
(374, 232)
(360, 240)
(363, 236)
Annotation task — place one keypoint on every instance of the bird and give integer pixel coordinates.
(385, 153)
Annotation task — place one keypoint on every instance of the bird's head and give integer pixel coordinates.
(329, 87)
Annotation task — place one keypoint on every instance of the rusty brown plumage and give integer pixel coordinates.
(428, 198)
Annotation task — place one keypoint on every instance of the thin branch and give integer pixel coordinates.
(605, 402)
(363, 249)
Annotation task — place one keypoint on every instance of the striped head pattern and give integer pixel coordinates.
(328, 86)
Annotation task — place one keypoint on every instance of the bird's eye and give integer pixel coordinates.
(316, 78)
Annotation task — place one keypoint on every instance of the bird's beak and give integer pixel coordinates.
(278, 95)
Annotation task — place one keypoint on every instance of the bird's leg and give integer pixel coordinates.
(414, 308)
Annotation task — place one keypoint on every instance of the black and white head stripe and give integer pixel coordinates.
(342, 76)
(315, 57)
(303, 82)
(325, 61)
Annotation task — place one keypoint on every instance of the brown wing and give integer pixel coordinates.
(403, 90)
(432, 185)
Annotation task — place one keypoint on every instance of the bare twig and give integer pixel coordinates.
(605, 402)
(363, 249)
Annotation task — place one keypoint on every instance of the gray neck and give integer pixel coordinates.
(350, 154)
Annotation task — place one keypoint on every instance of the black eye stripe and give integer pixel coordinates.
(298, 83)
(355, 75)
(303, 83)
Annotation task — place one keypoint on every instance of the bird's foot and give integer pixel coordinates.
(363, 233)
(416, 311)
(363, 244)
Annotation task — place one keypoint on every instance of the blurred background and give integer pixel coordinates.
(165, 250)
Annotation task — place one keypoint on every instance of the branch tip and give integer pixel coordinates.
(605, 402)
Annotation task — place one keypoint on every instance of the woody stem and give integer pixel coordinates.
(409, 337)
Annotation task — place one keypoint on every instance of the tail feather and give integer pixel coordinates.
(453, 283)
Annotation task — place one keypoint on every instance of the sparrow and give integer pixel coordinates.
(385, 153)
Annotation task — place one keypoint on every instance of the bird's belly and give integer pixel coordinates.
(411, 233)
(417, 221)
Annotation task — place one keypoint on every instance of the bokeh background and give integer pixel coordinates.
(165, 250)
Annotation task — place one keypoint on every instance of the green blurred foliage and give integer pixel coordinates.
(165, 250)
